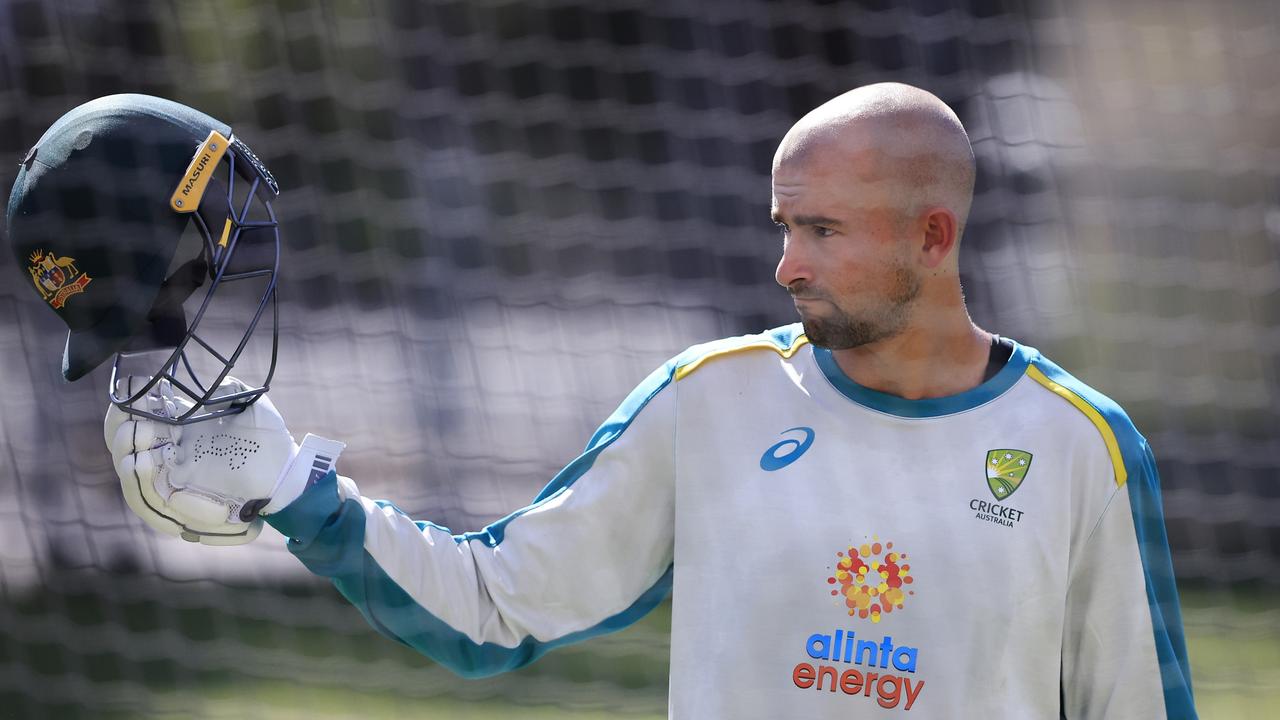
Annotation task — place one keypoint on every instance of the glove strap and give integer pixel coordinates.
(314, 459)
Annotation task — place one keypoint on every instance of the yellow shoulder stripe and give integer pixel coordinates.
(1108, 436)
(799, 342)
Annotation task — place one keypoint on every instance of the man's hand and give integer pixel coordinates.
(209, 481)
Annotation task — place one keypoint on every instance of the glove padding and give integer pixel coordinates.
(208, 482)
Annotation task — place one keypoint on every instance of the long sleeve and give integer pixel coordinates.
(1122, 657)
(591, 554)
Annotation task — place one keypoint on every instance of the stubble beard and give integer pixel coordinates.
(843, 330)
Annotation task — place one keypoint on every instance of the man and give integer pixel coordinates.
(810, 498)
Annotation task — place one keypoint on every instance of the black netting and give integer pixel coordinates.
(499, 216)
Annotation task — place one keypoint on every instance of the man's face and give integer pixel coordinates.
(846, 259)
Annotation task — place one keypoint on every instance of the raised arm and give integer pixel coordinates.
(591, 554)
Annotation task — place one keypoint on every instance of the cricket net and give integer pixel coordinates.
(499, 216)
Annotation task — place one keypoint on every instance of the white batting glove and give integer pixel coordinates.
(208, 482)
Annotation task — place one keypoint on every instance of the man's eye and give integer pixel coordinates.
(822, 231)
(782, 228)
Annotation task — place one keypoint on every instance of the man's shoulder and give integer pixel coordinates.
(1117, 429)
(784, 341)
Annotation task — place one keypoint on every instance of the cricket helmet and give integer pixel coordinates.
(124, 208)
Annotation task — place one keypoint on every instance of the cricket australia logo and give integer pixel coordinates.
(1006, 469)
(56, 278)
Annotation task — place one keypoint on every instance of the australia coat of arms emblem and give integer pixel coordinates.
(56, 278)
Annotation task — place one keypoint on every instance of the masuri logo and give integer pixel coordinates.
(186, 197)
(871, 579)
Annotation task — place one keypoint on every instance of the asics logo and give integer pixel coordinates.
(785, 452)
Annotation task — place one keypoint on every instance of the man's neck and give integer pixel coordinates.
(921, 362)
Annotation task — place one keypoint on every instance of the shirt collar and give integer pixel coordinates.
(928, 407)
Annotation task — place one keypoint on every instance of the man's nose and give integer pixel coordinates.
(792, 266)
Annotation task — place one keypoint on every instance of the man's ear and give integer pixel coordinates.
(941, 231)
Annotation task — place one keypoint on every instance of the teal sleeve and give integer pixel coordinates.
(327, 532)
(1162, 593)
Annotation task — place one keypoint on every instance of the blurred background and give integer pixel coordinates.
(499, 216)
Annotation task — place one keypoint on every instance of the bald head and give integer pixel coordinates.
(893, 136)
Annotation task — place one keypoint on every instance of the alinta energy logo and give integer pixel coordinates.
(870, 580)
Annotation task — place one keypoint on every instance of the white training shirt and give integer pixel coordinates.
(831, 551)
